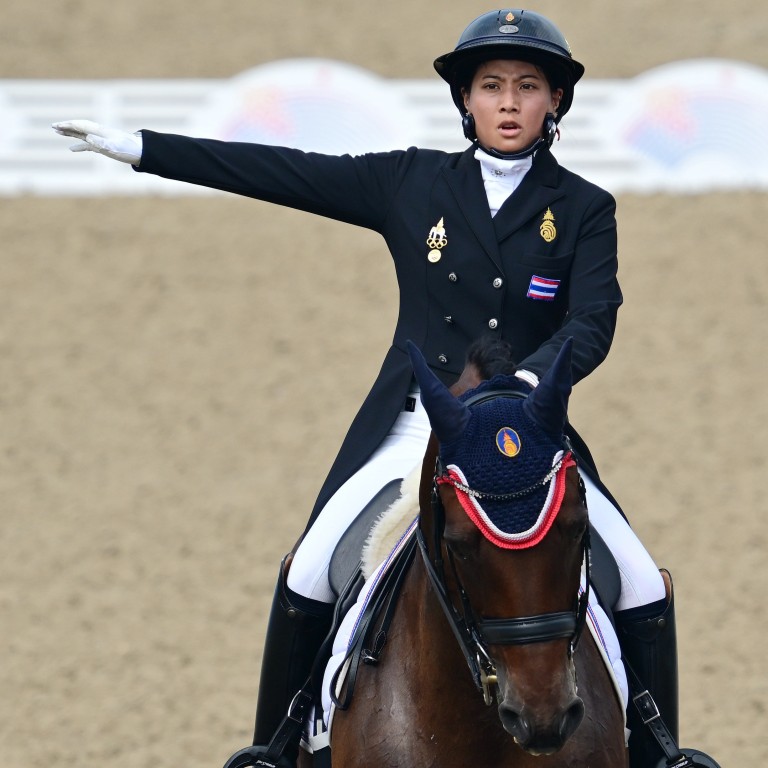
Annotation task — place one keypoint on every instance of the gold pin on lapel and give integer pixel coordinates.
(547, 229)
(436, 240)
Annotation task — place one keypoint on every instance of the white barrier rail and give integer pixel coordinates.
(690, 126)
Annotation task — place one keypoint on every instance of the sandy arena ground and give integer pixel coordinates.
(176, 374)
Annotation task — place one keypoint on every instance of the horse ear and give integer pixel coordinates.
(447, 415)
(547, 405)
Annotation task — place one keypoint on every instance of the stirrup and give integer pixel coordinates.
(256, 756)
(674, 756)
(690, 757)
(272, 755)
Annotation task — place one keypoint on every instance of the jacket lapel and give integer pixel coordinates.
(536, 192)
(466, 184)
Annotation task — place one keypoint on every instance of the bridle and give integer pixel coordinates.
(475, 634)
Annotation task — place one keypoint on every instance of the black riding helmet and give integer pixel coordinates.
(511, 34)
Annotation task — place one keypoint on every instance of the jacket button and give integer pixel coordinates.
(448, 319)
(443, 359)
(498, 282)
(453, 277)
(493, 323)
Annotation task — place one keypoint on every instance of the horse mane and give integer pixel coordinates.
(491, 357)
(488, 357)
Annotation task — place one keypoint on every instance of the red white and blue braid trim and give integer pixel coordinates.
(521, 539)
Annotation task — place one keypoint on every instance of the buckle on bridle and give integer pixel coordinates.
(487, 674)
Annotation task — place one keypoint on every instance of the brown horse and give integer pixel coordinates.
(478, 621)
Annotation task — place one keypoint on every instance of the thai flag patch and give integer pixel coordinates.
(542, 288)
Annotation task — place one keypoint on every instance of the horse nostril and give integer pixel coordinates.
(572, 718)
(544, 738)
(515, 723)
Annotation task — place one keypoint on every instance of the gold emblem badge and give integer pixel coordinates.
(436, 240)
(547, 229)
(509, 28)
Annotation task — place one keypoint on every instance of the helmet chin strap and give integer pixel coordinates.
(549, 131)
(515, 155)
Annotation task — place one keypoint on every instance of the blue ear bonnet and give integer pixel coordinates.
(503, 451)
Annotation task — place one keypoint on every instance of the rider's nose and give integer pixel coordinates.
(509, 103)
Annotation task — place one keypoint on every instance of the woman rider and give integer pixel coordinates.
(497, 240)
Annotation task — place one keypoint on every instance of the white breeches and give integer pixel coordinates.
(401, 451)
(641, 582)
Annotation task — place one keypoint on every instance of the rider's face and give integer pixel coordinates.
(509, 100)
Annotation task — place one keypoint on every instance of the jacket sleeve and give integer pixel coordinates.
(594, 296)
(358, 190)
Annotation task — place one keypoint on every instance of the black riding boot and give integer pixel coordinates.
(296, 630)
(649, 645)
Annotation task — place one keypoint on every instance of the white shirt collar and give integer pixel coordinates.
(501, 177)
(496, 167)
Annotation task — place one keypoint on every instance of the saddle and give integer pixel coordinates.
(347, 556)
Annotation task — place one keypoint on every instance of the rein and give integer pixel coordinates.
(474, 634)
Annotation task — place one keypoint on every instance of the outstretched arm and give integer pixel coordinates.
(358, 190)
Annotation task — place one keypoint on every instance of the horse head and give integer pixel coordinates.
(504, 541)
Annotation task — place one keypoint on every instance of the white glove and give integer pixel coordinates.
(529, 377)
(114, 143)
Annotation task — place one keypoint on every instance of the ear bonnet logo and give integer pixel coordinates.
(508, 441)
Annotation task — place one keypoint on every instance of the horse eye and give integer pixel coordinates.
(461, 545)
(459, 549)
(579, 529)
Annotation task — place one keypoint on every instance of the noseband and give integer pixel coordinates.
(474, 634)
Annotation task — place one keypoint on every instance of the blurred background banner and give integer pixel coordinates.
(689, 126)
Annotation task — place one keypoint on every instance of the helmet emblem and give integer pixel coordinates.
(547, 229)
(508, 29)
(509, 17)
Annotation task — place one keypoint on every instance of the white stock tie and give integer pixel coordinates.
(501, 177)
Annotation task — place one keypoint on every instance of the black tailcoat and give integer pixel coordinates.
(556, 228)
